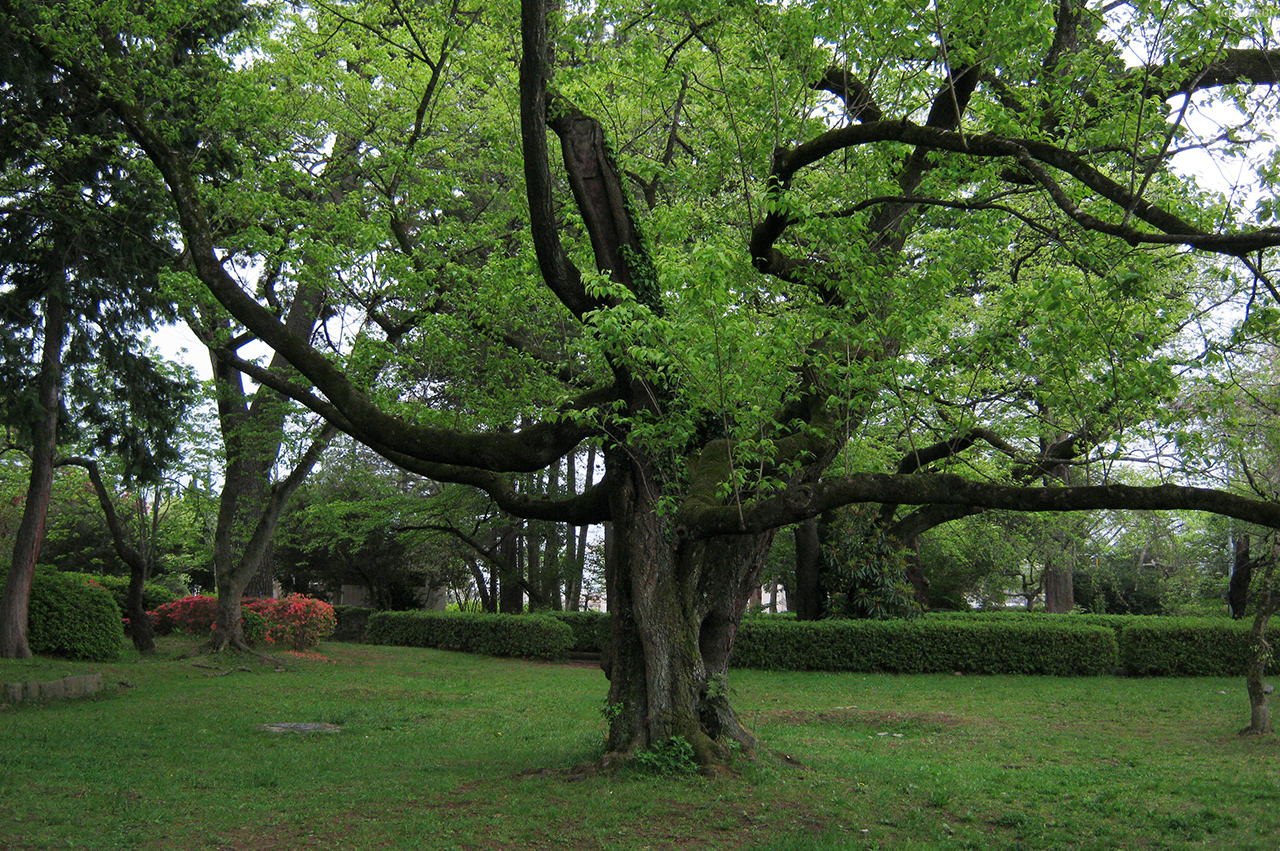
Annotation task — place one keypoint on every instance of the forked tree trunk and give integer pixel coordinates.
(676, 610)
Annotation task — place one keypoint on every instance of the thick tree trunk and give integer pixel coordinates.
(510, 594)
(1241, 575)
(30, 534)
(676, 610)
(238, 559)
(141, 630)
(234, 559)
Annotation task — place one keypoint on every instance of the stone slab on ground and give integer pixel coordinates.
(80, 685)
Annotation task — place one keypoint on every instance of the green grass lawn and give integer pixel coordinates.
(442, 750)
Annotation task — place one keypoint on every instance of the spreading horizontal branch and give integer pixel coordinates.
(807, 501)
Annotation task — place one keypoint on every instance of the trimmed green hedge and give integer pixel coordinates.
(524, 636)
(352, 623)
(1152, 645)
(70, 617)
(926, 646)
(590, 629)
(1187, 647)
(977, 643)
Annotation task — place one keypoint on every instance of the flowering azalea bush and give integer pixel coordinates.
(296, 621)
(193, 615)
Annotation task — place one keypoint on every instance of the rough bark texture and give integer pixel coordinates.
(1259, 693)
(30, 534)
(676, 606)
(1059, 590)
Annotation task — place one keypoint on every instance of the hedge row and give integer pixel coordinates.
(1187, 647)
(977, 643)
(524, 636)
(590, 629)
(926, 646)
(352, 621)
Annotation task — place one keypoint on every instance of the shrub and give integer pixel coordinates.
(194, 615)
(1186, 647)
(297, 621)
(590, 630)
(154, 594)
(74, 618)
(352, 621)
(927, 646)
(524, 636)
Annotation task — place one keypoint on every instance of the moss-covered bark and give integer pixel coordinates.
(677, 606)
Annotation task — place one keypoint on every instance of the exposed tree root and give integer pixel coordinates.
(218, 645)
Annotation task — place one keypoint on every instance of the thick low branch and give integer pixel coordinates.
(590, 506)
(1242, 66)
(810, 500)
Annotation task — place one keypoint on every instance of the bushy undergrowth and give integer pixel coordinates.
(154, 594)
(295, 621)
(73, 617)
(522, 636)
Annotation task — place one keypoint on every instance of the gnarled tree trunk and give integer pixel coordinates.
(676, 606)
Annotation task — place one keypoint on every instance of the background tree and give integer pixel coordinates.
(81, 249)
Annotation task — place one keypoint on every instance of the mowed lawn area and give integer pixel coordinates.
(444, 750)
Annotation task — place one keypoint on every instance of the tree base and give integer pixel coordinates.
(1257, 731)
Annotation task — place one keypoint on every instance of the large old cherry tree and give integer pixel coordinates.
(773, 258)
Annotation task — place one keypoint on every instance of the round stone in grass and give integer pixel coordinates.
(299, 727)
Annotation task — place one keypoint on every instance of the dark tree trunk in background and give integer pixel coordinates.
(510, 594)
(1059, 584)
(1241, 575)
(809, 597)
(915, 574)
(30, 534)
(1059, 564)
